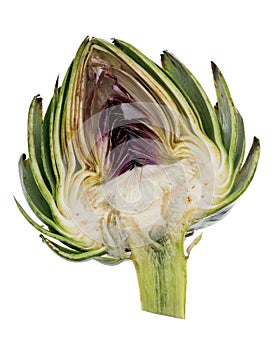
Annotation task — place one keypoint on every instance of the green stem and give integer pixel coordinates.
(161, 273)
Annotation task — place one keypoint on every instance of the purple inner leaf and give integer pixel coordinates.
(122, 125)
(130, 143)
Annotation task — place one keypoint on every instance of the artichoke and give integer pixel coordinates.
(129, 160)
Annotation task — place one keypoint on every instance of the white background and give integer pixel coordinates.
(49, 303)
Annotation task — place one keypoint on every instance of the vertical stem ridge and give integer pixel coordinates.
(161, 274)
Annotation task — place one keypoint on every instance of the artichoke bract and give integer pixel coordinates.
(129, 160)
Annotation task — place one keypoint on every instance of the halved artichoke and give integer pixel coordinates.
(131, 158)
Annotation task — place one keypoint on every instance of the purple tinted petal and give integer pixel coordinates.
(126, 133)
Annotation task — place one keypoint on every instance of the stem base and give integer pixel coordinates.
(161, 277)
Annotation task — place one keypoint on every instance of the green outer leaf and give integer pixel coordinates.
(55, 132)
(72, 109)
(46, 143)
(51, 133)
(54, 235)
(226, 113)
(34, 147)
(34, 118)
(70, 254)
(242, 181)
(244, 176)
(78, 64)
(211, 219)
(109, 260)
(247, 172)
(240, 143)
(31, 191)
(35, 123)
(59, 132)
(35, 199)
(194, 94)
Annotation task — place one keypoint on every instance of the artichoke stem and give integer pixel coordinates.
(161, 274)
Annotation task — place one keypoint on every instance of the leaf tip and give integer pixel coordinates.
(23, 156)
(56, 83)
(256, 146)
(213, 66)
(116, 42)
(256, 141)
